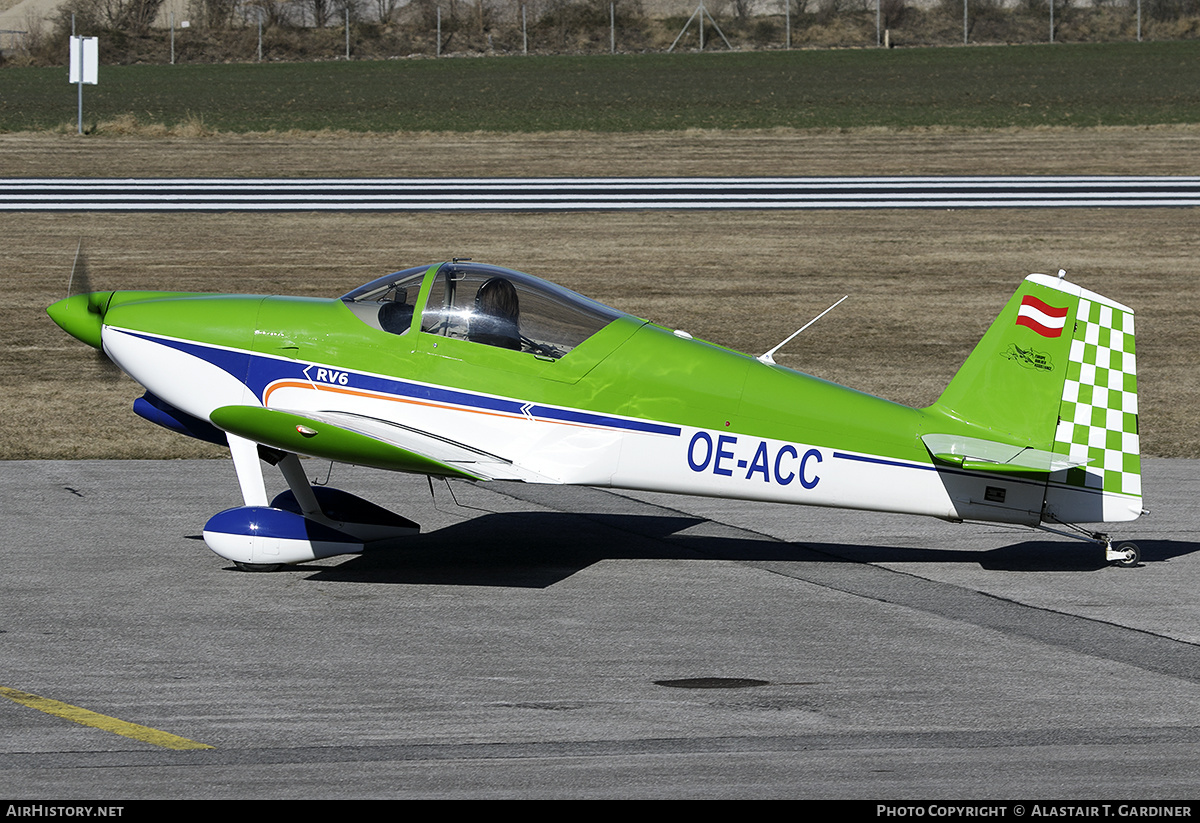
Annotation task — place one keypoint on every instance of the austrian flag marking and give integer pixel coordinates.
(1046, 320)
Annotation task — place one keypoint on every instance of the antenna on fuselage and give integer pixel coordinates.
(768, 357)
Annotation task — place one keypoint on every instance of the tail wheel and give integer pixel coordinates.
(1133, 555)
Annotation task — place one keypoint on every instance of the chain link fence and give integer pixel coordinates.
(247, 30)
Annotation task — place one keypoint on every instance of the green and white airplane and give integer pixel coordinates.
(470, 371)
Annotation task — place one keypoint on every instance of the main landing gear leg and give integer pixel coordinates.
(249, 470)
(302, 490)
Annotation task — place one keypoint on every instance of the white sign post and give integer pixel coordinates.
(83, 67)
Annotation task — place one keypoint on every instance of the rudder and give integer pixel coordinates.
(1098, 418)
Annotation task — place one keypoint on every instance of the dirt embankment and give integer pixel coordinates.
(148, 152)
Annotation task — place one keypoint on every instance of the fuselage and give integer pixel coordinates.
(634, 405)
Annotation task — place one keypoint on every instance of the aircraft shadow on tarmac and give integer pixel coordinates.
(1024, 556)
(539, 549)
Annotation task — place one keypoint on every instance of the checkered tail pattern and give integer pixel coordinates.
(1098, 416)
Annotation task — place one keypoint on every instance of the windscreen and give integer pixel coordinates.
(388, 302)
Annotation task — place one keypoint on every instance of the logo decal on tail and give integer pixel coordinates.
(1046, 320)
(1029, 358)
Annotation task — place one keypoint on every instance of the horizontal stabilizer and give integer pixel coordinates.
(976, 454)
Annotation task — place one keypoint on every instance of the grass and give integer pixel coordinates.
(1126, 84)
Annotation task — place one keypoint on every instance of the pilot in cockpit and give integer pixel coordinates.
(496, 318)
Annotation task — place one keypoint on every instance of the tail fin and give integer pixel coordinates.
(1056, 375)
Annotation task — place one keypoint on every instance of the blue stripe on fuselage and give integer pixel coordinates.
(258, 371)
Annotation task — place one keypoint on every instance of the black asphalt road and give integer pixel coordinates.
(566, 643)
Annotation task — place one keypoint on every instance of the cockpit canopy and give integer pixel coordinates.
(483, 304)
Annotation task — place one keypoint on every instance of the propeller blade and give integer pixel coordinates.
(80, 283)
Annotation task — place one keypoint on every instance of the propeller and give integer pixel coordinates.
(80, 283)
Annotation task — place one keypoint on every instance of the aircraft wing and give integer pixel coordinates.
(367, 441)
(977, 454)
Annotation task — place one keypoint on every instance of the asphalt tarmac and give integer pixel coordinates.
(545, 642)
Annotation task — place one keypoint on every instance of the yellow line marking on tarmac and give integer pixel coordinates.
(101, 721)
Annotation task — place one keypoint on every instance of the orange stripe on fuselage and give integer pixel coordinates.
(297, 384)
(293, 384)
